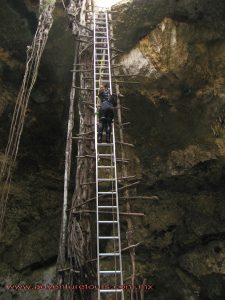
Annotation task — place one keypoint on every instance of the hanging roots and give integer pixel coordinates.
(34, 54)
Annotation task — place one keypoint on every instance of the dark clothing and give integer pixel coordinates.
(106, 111)
(106, 114)
(104, 125)
(106, 96)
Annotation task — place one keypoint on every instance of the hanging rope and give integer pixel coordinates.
(34, 54)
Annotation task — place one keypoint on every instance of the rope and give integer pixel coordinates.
(34, 54)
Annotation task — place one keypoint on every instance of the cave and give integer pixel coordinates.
(174, 53)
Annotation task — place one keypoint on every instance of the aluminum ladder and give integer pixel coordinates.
(109, 259)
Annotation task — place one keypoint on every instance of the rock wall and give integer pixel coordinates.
(176, 50)
(29, 246)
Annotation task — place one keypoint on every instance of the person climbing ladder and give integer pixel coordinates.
(106, 112)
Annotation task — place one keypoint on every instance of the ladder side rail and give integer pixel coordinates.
(108, 46)
(115, 164)
(96, 154)
(117, 212)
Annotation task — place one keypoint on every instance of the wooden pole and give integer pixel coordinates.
(130, 238)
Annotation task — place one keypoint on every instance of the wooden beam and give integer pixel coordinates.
(119, 160)
(134, 214)
(119, 179)
(127, 177)
(126, 82)
(122, 75)
(82, 138)
(85, 133)
(123, 124)
(122, 250)
(91, 70)
(87, 36)
(125, 144)
(100, 196)
(128, 185)
(131, 246)
(92, 77)
(82, 41)
(116, 49)
(68, 269)
(80, 88)
(86, 156)
(124, 107)
(141, 197)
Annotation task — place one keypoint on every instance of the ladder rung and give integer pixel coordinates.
(108, 237)
(107, 206)
(101, 60)
(105, 155)
(97, 54)
(102, 74)
(107, 222)
(109, 254)
(107, 193)
(110, 272)
(105, 76)
(111, 291)
(107, 167)
(106, 179)
(101, 48)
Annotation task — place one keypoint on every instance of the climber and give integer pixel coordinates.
(106, 112)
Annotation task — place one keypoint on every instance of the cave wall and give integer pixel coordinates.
(29, 244)
(176, 49)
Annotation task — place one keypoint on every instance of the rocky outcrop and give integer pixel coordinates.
(180, 67)
(176, 50)
(177, 115)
